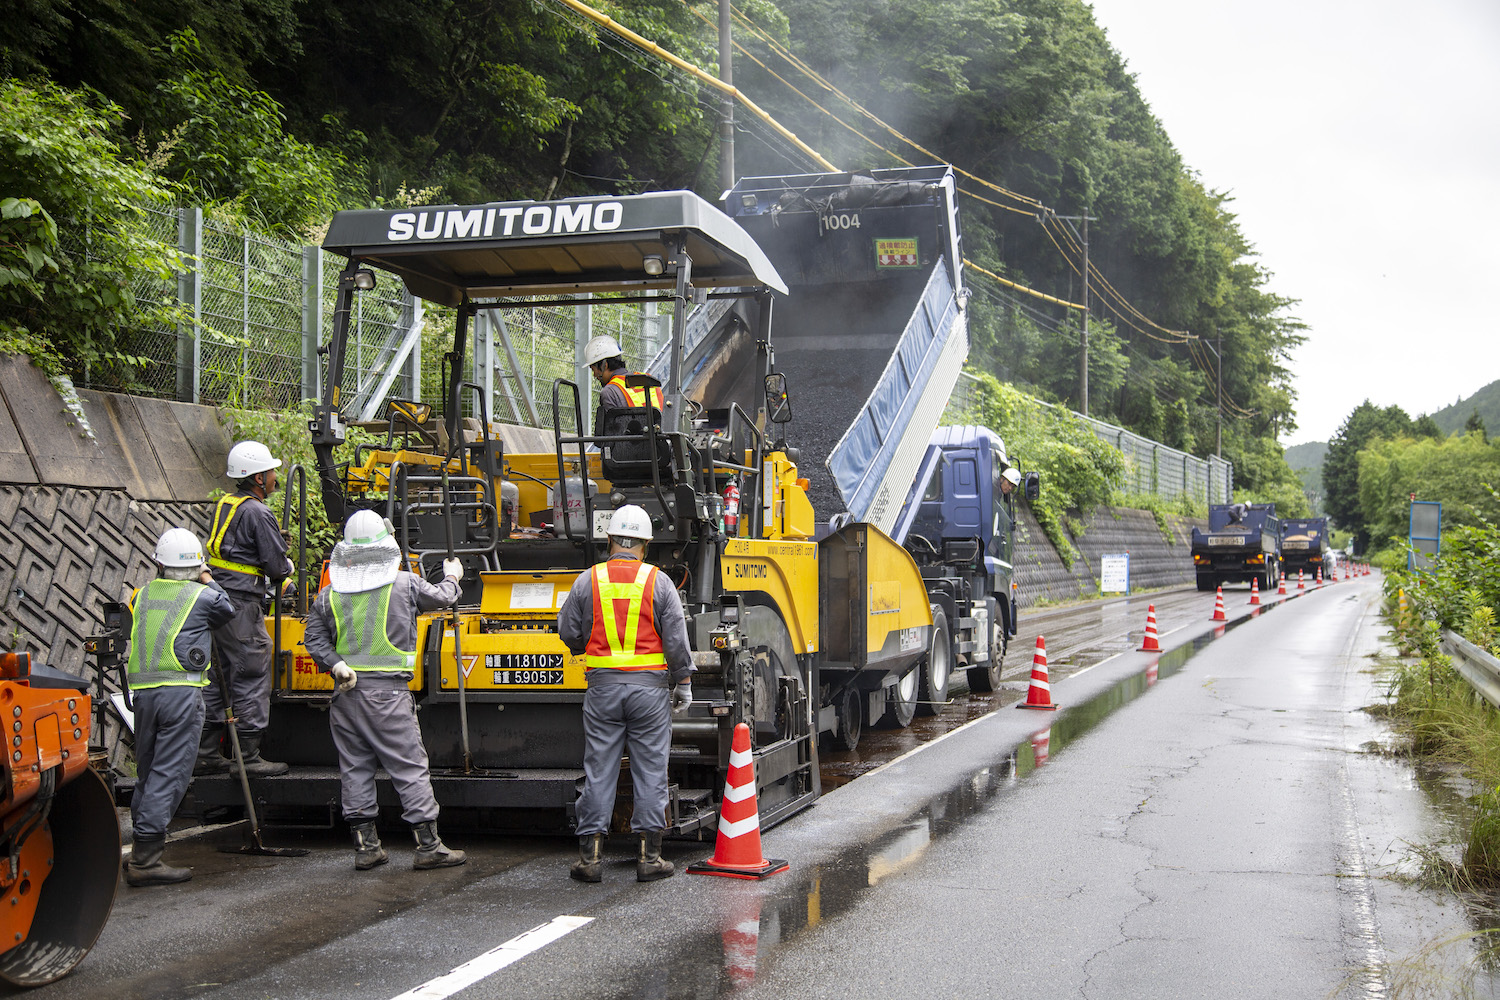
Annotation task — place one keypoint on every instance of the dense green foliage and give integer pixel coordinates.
(74, 255)
(1079, 471)
(286, 109)
(1484, 404)
(1371, 515)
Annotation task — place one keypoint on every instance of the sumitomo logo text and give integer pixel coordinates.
(519, 220)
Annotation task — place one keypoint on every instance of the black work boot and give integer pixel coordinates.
(146, 868)
(367, 850)
(211, 759)
(257, 766)
(650, 866)
(590, 863)
(431, 851)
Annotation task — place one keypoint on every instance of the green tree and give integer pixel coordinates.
(1475, 425)
(1341, 495)
(1453, 471)
(79, 269)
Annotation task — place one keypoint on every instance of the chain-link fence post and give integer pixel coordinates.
(312, 318)
(190, 294)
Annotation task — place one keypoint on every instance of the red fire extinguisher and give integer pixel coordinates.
(732, 507)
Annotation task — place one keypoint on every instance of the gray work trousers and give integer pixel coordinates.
(375, 725)
(168, 721)
(242, 651)
(620, 718)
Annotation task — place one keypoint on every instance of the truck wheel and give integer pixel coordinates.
(986, 677)
(901, 701)
(937, 667)
(1205, 584)
(851, 717)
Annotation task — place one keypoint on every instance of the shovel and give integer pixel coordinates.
(253, 843)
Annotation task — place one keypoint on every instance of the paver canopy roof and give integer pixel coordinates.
(446, 253)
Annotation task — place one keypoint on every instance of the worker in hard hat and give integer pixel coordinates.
(363, 631)
(173, 617)
(606, 361)
(246, 554)
(1009, 480)
(625, 617)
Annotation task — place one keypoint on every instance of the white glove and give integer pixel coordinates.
(344, 677)
(682, 697)
(453, 568)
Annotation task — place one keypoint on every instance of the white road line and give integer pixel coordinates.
(495, 959)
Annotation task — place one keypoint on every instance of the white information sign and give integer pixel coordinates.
(530, 596)
(1114, 574)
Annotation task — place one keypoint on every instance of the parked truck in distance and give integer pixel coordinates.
(958, 523)
(1242, 544)
(1304, 546)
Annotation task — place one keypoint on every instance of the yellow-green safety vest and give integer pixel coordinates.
(216, 537)
(161, 607)
(362, 641)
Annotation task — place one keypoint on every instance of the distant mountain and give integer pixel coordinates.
(1310, 455)
(1452, 418)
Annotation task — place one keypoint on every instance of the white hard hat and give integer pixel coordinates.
(630, 521)
(249, 457)
(1012, 476)
(367, 558)
(600, 348)
(365, 527)
(179, 548)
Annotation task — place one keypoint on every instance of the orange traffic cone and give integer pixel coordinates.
(1219, 605)
(737, 852)
(1039, 696)
(1254, 590)
(1281, 586)
(1150, 643)
(1300, 584)
(1319, 581)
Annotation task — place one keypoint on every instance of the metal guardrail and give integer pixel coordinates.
(1479, 668)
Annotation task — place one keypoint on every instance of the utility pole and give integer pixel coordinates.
(1083, 356)
(1218, 390)
(726, 118)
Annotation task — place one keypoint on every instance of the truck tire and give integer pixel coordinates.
(1205, 583)
(851, 716)
(986, 676)
(936, 667)
(901, 701)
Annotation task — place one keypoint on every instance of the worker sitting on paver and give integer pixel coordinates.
(363, 631)
(172, 618)
(245, 550)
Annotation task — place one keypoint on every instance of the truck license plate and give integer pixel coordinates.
(1227, 540)
(527, 668)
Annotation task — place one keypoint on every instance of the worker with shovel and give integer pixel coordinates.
(172, 618)
(246, 551)
(363, 631)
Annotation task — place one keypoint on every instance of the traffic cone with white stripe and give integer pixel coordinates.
(1281, 586)
(1255, 590)
(737, 852)
(1150, 644)
(1301, 584)
(1039, 695)
(1219, 605)
(1319, 581)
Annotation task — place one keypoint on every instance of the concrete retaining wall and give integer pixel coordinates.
(1156, 559)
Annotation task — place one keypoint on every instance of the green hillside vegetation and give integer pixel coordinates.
(282, 112)
(1485, 402)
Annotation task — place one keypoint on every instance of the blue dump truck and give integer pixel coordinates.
(1304, 546)
(959, 526)
(1242, 544)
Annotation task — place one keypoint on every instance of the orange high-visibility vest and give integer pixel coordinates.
(624, 635)
(639, 396)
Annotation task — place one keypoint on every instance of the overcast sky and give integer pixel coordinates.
(1361, 144)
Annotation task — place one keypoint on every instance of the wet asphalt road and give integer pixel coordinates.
(1195, 824)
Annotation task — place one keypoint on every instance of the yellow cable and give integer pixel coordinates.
(1020, 288)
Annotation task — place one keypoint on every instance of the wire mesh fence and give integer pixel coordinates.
(1150, 467)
